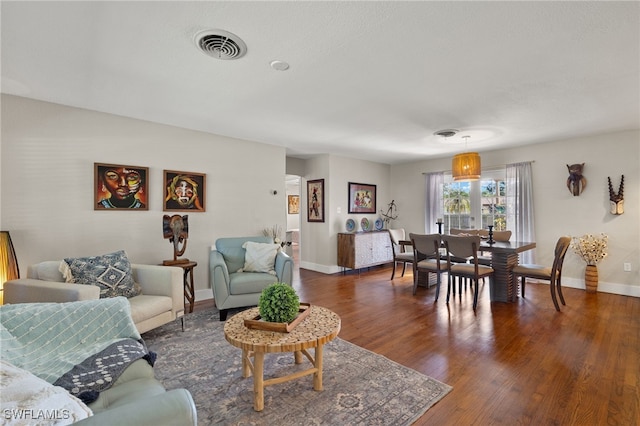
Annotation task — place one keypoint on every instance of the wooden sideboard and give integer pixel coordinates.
(364, 249)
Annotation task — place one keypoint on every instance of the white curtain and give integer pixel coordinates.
(434, 183)
(520, 206)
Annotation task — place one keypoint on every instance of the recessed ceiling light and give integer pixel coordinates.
(279, 65)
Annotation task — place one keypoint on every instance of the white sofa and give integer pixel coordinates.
(161, 301)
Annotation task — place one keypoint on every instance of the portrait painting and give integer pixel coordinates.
(184, 191)
(120, 187)
(293, 204)
(315, 200)
(362, 198)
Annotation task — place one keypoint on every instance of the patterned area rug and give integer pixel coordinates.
(359, 386)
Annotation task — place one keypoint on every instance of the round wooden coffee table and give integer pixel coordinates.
(320, 327)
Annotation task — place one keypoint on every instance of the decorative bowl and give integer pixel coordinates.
(351, 225)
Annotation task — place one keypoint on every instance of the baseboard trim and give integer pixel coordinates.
(604, 287)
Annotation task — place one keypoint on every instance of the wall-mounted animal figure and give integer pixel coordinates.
(616, 200)
(576, 182)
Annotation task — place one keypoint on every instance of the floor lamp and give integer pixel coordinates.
(8, 262)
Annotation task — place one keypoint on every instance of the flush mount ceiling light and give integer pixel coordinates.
(221, 44)
(466, 166)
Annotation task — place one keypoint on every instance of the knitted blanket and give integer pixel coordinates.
(62, 342)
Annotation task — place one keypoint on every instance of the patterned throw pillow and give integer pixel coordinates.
(111, 272)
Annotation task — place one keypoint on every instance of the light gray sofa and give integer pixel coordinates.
(161, 301)
(233, 289)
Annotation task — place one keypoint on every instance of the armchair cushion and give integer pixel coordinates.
(111, 272)
(259, 257)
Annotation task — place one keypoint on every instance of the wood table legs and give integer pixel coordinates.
(317, 375)
(189, 292)
(258, 381)
(257, 368)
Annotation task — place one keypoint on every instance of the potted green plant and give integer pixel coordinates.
(279, 303)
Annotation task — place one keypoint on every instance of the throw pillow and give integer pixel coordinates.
(260, 257)
(31, 398)
(111, 272)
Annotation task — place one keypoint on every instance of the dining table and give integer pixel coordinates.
(504, 257)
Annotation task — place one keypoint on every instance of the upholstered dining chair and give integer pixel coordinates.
(463, 232)
(426, 252)
(552, 274)
(401, 249)
(465, 247)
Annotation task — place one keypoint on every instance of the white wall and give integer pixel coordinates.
(48, 152)
(46, 199)
(557, 212)
(319, 241)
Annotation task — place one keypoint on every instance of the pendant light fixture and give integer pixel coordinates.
(466, 166)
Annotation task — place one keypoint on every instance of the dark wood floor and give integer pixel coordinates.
(509, 364)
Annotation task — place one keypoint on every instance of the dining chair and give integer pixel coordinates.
(399, 247)
(465, 247)
(552, 274)
(462, 232)
(426, 251)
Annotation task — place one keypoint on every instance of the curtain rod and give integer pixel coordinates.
(489, 169)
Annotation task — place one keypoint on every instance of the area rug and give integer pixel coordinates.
(359, 386)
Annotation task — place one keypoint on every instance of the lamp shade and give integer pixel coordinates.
(466, 166)
(8, 262)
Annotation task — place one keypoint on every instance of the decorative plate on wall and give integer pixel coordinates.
(379, 224)
(365, 224)
(351, 225)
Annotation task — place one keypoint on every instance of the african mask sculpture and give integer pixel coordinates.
(576, 182)
(176, 229)
(616, 201)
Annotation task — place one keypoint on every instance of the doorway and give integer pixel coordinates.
(293, 209)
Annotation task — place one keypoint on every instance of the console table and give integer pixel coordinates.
(363, 249)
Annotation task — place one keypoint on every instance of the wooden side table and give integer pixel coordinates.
(187, 279)
(320, 327)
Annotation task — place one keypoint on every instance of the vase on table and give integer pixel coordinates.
(591, 278)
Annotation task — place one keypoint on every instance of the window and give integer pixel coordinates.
(463, 202)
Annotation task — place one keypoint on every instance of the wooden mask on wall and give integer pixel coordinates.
(576, 182)
(616, 200)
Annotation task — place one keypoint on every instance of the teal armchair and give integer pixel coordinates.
(234, 287)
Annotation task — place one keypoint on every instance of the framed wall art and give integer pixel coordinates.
(362, 198)
(315, 200)
(120, 187)
(293, 204)
(184, 191)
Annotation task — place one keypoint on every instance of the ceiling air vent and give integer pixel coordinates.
(221, 44)
(447, 133)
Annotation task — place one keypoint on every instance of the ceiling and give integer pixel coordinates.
(368, 80)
